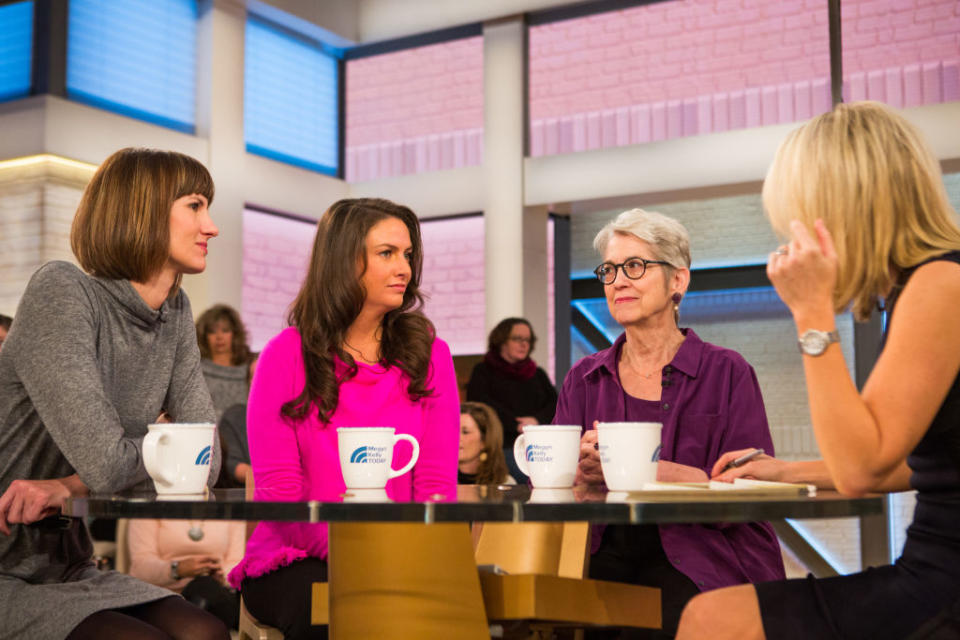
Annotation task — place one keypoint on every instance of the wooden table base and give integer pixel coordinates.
(395, 581)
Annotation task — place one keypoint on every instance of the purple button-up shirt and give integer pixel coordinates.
(710, 403)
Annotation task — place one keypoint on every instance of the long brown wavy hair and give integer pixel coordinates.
(332, 297)
(239, 349)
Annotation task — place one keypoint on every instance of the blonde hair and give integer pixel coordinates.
(122, 226)
(668, 239)
(869, 175)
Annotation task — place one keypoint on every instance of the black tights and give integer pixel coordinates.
(166, 619)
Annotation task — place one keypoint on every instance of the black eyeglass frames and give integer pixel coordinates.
(633, 268)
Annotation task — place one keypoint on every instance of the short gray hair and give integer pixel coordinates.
(667, 238)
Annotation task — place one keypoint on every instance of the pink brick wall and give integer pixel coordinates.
(902, 52)
(415, 110)
(275, 255)
(689, 67)
(674, 51)
(453, 279)
(659, 71)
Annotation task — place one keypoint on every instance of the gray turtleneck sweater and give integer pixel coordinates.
(86, 367)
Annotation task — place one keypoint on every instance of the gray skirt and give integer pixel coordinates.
(52, 610)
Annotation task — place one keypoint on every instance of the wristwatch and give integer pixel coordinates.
(175, 570)
(814, 342)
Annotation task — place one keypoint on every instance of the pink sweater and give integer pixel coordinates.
(153, 544)
(298, 460)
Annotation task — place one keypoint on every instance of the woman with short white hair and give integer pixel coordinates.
(706, 397)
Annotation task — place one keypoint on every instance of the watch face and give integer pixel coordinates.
(814, 342)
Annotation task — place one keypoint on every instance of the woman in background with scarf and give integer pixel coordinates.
(511, 382)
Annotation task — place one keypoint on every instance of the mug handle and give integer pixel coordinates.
(518, 454)
(151, 457)
(413, 459)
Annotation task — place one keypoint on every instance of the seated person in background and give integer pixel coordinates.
(358, 353)
(706, 397)
(481, 446)
(510, 381)
(236, 454)
(5, 323)
(95, 357)
(225, 356)
(232, 429)
(191, 557)
(863, 202)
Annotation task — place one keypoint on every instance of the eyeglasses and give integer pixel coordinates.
(519, 339)
(633, 268)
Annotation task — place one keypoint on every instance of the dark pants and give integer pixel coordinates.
(210, 595)
(634, 554)
(283, 598)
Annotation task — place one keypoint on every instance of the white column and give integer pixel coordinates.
(515, 249)
(536, 300)
(503, 131)
(220, 48)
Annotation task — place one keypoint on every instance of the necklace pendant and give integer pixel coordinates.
(195, 533)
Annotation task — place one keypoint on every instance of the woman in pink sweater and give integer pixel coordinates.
(357, 353)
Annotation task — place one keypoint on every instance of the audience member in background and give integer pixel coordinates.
(481, 446)
(5, 323)
(95, 358)
(511, 382)
(236, 454)
(232, 429)
(191, 557)
(707, 399)
(862, 201)
(358, 352)
(226, 356)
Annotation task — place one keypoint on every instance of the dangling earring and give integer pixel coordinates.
(676, 307)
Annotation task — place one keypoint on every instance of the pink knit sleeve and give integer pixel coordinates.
(436, 471)
(274, 453)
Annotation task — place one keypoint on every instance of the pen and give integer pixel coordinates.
(744, 459)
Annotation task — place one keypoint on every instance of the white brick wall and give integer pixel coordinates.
(37, 205)
(723, 231)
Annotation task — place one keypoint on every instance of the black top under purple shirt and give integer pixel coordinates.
(710, 404)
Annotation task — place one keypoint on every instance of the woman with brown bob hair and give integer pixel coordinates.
(94, 358)
(861, 202)
(481, 446)
(358, 353)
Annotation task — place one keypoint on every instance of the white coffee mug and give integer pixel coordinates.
(366, 456)
(177, 456)
(548, 453)
(629, 452)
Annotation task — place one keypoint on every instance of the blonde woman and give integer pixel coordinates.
(862, 201)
